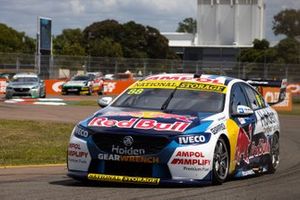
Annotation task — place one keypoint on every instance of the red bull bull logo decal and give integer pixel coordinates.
(247, 149)
(242, 147)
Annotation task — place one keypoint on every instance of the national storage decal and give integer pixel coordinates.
(180, 85)
(124, 179)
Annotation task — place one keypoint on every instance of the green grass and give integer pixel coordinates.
(33, 142)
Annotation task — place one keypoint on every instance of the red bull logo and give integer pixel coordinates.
(136, 123)
(242, 147)
(151, 115)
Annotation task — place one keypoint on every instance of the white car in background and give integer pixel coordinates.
(25, 85)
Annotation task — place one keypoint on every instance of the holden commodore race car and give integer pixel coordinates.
(177, 128)
(80, 84)
(25, 85)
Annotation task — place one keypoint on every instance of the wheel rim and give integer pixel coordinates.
(221, 160)
(275, 152)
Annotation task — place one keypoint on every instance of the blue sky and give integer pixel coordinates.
(161, 14)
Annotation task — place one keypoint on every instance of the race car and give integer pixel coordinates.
(80, 84)
(177, 129)
(25, 85)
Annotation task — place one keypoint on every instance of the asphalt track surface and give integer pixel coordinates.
(51, 182)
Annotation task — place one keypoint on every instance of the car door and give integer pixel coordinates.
(265, 121)
(246, 124)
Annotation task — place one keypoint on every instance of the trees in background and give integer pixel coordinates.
(106, 38)
(287, 22)
(12, 41)
(130, 40)
(70, 42)
(188, 25)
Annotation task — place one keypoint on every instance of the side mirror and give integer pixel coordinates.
(104, 101)
(242, 111)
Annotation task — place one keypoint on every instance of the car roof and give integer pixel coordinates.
(217, 79)
(25, 75)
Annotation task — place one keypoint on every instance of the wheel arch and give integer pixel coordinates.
(226, 139)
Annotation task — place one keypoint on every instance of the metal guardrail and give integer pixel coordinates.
(60, 66)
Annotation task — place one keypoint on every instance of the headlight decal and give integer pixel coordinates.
(199, 129)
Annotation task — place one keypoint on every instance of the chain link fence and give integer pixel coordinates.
(54, 67)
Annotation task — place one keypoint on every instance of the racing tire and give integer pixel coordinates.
(274, 155)
(43, 96)
(220, 168)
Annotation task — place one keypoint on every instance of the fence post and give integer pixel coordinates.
(287, 72)
(265, 71)
(116, 66)
(244, 71)
(144, 68)
(18, 64)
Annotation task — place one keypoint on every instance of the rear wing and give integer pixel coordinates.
(259, 84)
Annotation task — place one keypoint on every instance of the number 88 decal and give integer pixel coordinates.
(135, 91)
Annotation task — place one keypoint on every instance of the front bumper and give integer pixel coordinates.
(22, 92)
(85, 176)
(75, 89)
(174, 164)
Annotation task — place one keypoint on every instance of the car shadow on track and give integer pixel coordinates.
(69, 182)
(74, 183)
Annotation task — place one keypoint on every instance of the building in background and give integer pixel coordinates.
(223, 28)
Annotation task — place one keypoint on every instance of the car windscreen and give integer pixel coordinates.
(80, 78)
(24, 79)
(172, 100)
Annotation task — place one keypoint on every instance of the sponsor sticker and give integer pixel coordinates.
(150, 114)
(145, 124)
(123, 179)
(75, 151)
(194, 139)
(218, 128)
(127, 151)
(190, 158)
(180, 85)
(203, 78)
(81, 132)
(125, 158)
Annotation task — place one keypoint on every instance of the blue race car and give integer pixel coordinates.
(178, 128)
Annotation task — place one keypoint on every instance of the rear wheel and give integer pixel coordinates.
(274, 154)
(220, 162)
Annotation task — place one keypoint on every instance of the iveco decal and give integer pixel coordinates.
(194, 139)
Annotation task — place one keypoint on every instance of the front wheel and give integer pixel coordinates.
(274, 155)
(220, 162)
